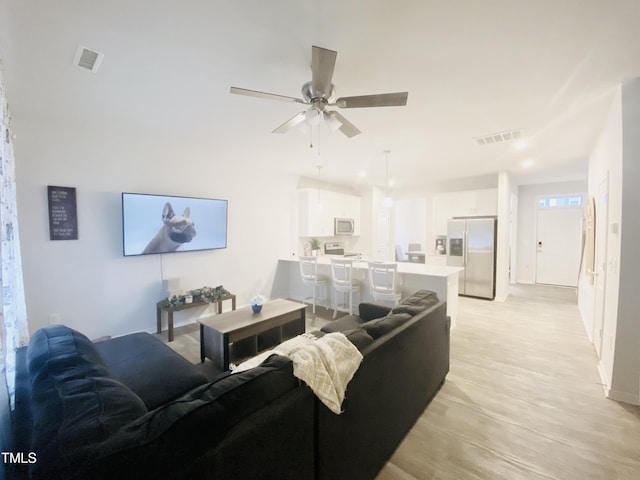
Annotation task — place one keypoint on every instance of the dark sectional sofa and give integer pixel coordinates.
(130, 407)
(403, 367)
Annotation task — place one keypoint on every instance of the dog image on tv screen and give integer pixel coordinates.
(176, 231)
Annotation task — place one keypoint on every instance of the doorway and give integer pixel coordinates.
(559, 238)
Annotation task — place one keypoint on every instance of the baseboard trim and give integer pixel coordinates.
(616, 395)
(624, 397)
(603, 379)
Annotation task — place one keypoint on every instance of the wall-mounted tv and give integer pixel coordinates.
(164, 224)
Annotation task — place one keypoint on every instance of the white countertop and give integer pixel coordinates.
(403, 267)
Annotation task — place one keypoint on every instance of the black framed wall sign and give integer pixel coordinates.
(63, 214)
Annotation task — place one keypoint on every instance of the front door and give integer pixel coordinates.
(559, 245)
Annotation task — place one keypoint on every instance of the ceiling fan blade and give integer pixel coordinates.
(397, 99)
(322, 63)
(294, 121)
(348, 128)
(269, 96)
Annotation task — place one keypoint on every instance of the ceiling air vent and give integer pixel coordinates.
(499, 137)
(87, 59)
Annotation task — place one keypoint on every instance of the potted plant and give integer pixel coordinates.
(315, 246)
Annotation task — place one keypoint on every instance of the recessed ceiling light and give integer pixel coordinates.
(527, 163)
(362, 173)
(521, 145)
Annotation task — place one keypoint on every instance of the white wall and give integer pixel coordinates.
(411, 223)
(527, 223)
(87, 281)
(617, 154)
(625, 380)
(606, 160)
(503, 251)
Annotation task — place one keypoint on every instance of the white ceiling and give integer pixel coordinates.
(472, 67)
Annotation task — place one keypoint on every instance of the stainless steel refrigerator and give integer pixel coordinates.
(471, 243)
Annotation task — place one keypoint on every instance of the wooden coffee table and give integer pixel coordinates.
(249, 332)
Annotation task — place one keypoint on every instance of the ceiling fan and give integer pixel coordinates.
(319, 94)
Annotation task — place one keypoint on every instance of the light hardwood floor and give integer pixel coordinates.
(522, 400)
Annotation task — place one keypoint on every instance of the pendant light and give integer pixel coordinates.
(318, 202)
(387, 202)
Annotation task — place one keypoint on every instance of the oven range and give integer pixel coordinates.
(337, 248)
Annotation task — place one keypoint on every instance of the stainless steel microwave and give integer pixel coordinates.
(344, 226)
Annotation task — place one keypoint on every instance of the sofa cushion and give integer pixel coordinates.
(348, 322)
(410, 309)
(151, 369)
(381, 326)
(422, 297)
(417, 303)
(74, 399)
(75, 413)
(370, 311)
(57, 342)
(359, 337)
(186, 427)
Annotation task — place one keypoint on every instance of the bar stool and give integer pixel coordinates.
(343, 282)
(382, 278)
(310, 277)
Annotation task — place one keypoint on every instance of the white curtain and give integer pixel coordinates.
(13, 314)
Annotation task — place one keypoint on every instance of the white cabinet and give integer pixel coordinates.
(442, 212)
(466, 203)
(313, 219)
(436, 260)
(318, 208)
(487, 202)
(347, 206)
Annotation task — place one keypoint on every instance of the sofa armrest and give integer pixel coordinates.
(371, 311)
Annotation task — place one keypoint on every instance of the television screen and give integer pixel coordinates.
(163, 224)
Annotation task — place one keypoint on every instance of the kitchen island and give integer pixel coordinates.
(411, 277)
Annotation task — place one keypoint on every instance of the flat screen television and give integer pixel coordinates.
(163, 224)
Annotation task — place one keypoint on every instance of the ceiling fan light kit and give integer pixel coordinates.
(319, 93)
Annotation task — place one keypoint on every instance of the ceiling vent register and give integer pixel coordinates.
(499, 137)
(87, 59)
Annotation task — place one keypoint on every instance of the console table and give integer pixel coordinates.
(249, 332)
(170, 309)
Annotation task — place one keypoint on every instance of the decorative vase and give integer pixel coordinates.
(256, 308)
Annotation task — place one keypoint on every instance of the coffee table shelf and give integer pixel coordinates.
(241, 333)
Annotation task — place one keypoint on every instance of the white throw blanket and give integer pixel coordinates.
(326, 364)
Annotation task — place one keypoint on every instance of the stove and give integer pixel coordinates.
(334, 248)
